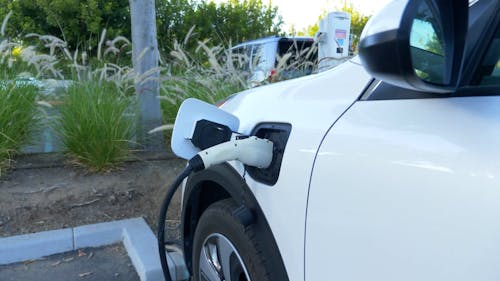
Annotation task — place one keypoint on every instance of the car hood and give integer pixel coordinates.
(311, 101)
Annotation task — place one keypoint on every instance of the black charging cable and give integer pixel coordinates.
(195, 164)
(251, 151)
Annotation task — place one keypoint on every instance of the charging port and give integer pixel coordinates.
(278, 133)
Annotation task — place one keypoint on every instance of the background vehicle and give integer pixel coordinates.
(386, 174)
(277, 57)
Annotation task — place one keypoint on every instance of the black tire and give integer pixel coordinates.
(217, 223)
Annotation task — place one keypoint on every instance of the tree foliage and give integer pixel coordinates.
(358, 22)
(79, 23)
(230, 22)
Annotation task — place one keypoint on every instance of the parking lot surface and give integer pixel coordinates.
(110, 263)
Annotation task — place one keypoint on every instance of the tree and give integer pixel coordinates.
(227, 23)
(358, 22)
(79, 23)
(170, 17)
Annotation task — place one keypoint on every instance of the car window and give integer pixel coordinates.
(296, 58)
(256, 55)
(426, 41)
(489, 71)
(298, 49)
(260, 56)
(240, 57)
(379, 90)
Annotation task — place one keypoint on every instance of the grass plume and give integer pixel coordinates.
(94, 125)
(17, 119)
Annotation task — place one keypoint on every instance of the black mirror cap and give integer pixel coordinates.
(386, 54)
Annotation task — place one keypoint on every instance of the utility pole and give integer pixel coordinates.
(145, 59)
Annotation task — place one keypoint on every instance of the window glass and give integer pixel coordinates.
(296, 58)
(427, 48)
(298, 50)
(489, 71)
(240, 57)
(257, 55)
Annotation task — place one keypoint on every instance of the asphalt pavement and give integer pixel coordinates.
(110, 263)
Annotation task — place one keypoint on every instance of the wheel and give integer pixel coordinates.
(224, 249)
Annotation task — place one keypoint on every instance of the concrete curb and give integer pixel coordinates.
(135, 234)
(36, 245)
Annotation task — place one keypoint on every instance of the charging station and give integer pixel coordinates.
(333, 39)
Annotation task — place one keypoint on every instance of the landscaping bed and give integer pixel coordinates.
(44, 192)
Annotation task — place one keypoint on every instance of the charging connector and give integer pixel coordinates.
(251, 151)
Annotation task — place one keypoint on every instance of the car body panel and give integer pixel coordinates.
(408, 190)
(311, 104)
(378, 183)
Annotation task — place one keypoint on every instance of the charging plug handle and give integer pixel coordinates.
(251, 151)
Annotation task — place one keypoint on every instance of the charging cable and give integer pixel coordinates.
(252, 151)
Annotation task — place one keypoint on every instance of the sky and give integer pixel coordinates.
(302, 13)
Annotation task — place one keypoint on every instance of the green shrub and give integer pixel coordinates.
(95, 124)
(17, 119)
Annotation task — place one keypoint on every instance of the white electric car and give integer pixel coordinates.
(386, 168)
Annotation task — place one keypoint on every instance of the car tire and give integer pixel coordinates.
(224, 249)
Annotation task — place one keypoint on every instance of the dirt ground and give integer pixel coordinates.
(42, 192)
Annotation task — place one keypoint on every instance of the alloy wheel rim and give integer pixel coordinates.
(221, 261)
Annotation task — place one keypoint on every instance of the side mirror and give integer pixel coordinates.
(417, 44)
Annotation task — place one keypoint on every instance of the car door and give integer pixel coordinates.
(406, 185)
